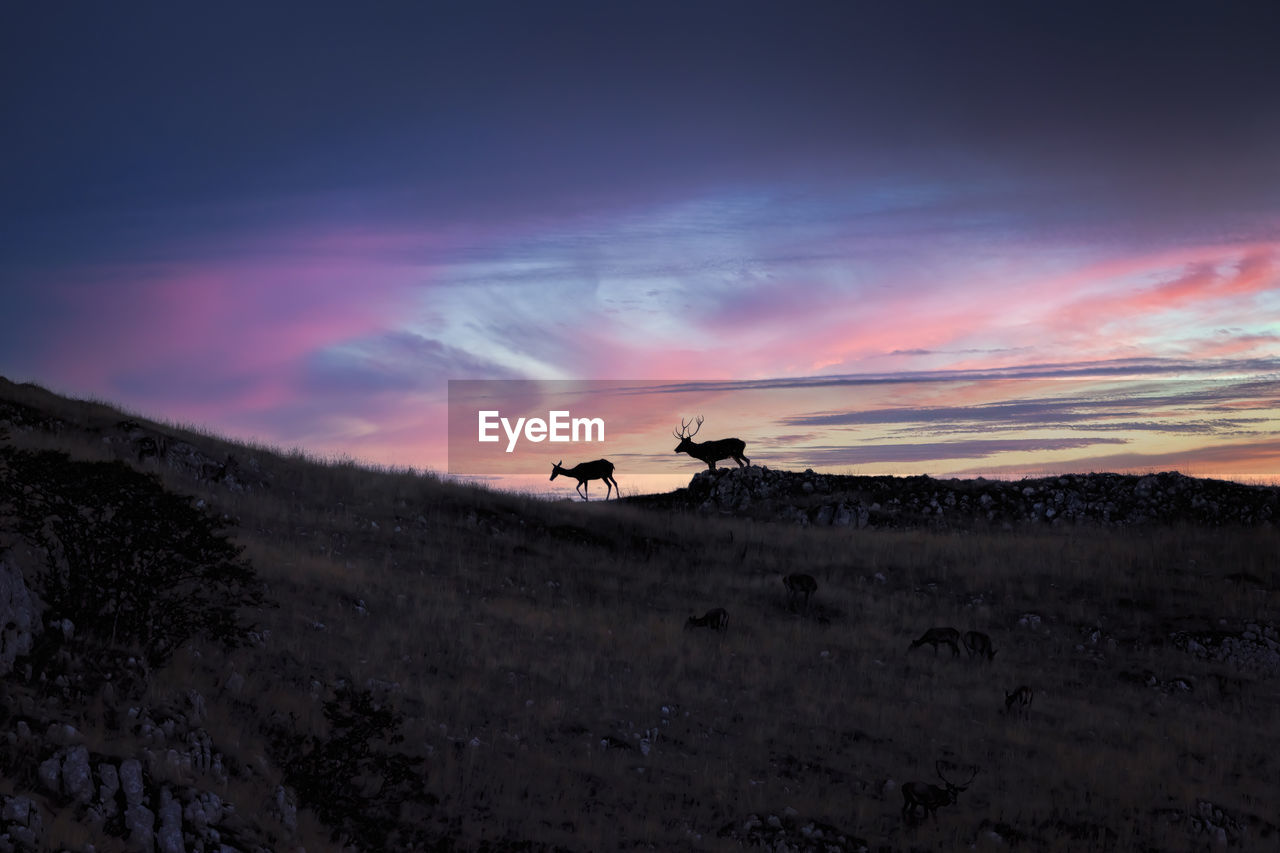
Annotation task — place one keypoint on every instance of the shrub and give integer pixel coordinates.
(129, 563)
(353, 778)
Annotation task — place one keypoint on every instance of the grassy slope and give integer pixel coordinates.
(519, 634)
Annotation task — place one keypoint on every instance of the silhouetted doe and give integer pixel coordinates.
(1019, 699)
(798, 585)
(934, 636)
(717, 619)
(979, 644)
(601, 469)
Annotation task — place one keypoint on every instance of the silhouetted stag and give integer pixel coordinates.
(717, 619)
(798, 585)
(922, 795)
(979, 644)
(1019, 699)
(601, 469)
(934, 636)
(710, 452)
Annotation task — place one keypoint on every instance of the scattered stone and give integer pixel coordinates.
(131, 781)
(1234, 648)
(20, 613)
(1108, 500)
(788, 832)
(169, 837)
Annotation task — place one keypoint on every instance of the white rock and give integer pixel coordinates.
(140, 823)
(110, 785)
(76, 778)
(50, 774)
(170, 835)
(19, 613)
(131, 781)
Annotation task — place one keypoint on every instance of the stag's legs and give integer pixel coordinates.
(741, 460)
(612, 484)
(582, 491)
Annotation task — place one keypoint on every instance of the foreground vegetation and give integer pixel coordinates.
(441, 667)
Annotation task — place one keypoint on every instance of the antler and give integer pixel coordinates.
(684, 428)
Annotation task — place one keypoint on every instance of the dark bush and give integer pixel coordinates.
(353, 778)
(129, 563)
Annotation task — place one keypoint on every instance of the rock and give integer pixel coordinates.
(906, 502)
(204, 811)
(50, 774)
(20, 612)
(77, 781)
(169, 838)
(139, 822)
(17, 810)
(286, 809)
(109, 778)
(131, 781)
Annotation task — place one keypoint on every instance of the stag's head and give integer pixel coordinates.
(686, 444)
(953, 790)
(556, 470)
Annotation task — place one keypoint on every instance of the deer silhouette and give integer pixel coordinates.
(939, 636)
(1019, 699)
(717, 619)
(710, 452)
(799, 585)
(978, 644)
(922, 795)
(601, 469)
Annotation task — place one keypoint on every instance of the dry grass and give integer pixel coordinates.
(521, 639)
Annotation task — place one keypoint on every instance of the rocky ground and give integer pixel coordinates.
(809, 499)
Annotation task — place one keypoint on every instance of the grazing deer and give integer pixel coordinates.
(978, 643)
(717, 619)
(1021, 698)
(930, 797)
(601, 469)
(710, 452)
(797, 585)
(934, 636)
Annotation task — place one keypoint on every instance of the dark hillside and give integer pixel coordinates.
(401, 663)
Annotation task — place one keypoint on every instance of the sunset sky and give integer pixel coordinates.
(982, 238)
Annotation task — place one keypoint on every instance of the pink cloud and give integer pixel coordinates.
(1241, 460)
(160, 334)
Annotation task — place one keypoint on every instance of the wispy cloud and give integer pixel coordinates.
(939, 451)
(1244, 460)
